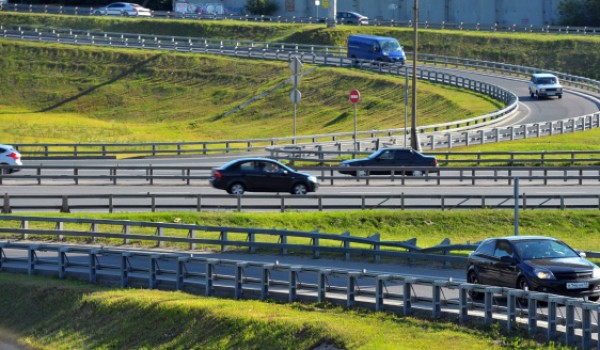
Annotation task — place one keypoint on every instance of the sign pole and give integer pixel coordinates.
(354, 98)
(355, 126)
(516, 194)
(295, 107)
(405, 103)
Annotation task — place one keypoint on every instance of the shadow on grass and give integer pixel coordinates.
(135, 67)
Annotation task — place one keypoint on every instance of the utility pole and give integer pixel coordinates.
(414, 140)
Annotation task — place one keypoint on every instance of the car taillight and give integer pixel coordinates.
(217, 174)
(435, 162)
(14, 155)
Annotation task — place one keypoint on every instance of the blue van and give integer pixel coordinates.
(375, 48)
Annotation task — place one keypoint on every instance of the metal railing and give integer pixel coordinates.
(443, 25)
(155, 202)
(566, 320)
(193, 236)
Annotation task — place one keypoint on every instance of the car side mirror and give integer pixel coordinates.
(583, 254)
(507, 259)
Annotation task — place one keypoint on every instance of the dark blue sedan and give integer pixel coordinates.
(534, 263)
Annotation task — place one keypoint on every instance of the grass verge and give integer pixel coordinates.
(46, 313)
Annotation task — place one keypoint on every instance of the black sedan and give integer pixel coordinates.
(416, 162)
(534, 263)
(261, 175)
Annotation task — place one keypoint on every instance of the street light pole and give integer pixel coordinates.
(414, 141)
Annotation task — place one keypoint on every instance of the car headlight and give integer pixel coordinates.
(596, 273)
(544, 274)
(344, 164)
(542, 90)
(312, 179)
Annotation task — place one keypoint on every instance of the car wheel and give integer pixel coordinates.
(473, 279)
(531, 94)
(237, 189)
(299, 189)
(537, 95)
(559, 96)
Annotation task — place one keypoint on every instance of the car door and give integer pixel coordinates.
(115, 9)
(385, 159)
(482, 260)
(277, 179)
(503, 270)
(404, 158)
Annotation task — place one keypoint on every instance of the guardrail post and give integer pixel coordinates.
(59, 227)
(570, 323)
(315, 245)
(210, 275)
(351, 288)
(62, 259)
(25, 226)
(92, 259)
(31, 257)
(481, 137)
(488, 304)
(436, 309)
(239, 282)
(180, 273)
(293, 281)
(322, 285)
(511, 307)
(561, 128)
(532, 313)
(376, 247)
(512, 132)
(463, 302)
(6, 205)
(124, 269)
(406, 296)
(160, 234)
(379, 292)
(283, 241)
(223, 239)
(449, 139)
(152, 271)
(586, 324)
(552, 307)
(65, 205)
(125, 233)
(251, 239)
(264, 281)
(192, 235)
(346, 245)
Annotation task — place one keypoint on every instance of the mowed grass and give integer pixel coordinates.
(47, 313)
(55, 93)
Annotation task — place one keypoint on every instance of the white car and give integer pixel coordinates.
(123, 9)
(544, 85)
(9, 156)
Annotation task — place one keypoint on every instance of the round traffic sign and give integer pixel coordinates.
(354, 96)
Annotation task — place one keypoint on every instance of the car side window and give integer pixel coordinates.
(486, 248)
(503, 248)
(247, 166)
(386, 155)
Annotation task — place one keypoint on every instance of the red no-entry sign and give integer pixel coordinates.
(354, 96)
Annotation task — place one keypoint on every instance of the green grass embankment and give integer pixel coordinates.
(46, 313)
(54, 93)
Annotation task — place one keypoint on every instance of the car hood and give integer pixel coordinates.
(562, 264)
(353, 162)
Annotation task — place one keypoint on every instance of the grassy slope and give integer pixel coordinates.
(57, 314)
(79, 94)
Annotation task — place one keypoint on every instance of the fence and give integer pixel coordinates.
(444, 25)
(283, 203)
(561, 319)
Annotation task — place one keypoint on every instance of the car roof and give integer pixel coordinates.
(543, 75)
(524, 238)
(248, 159)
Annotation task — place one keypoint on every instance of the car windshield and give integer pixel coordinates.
(544, 249)
(391, 45)
(546, 81)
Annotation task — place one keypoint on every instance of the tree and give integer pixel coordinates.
(261, 7)
(579, 12)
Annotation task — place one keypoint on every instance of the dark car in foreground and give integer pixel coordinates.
(261, 175)
(416, 162)
(535, 263)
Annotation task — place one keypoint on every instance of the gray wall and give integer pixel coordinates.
(504, 12)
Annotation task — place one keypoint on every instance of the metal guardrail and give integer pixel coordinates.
(570, 321)
(184, 175)
(443, 25)
(154, 202)
(192, 236)
(281, 51)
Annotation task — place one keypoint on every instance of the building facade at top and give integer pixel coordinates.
(501, 12)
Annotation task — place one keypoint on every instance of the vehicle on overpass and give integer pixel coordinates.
(375, 48)
(416, 162)
(261, 175)
(10, 156)
(123, 9)
(534, 263)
